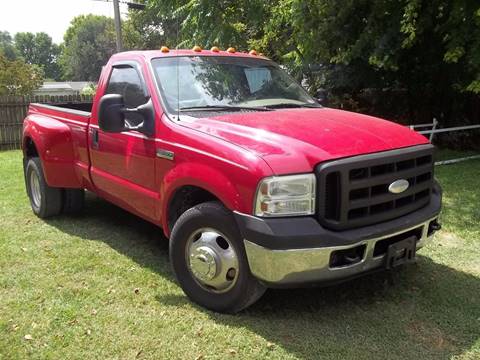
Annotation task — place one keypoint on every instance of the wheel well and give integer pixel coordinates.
(185, 198)
(30, 148)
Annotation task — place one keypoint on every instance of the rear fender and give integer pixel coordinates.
(53, 142)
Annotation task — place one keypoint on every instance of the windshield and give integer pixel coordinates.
(207, 82)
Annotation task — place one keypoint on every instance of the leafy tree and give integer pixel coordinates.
(185, 23)
(89, 90)
(18, 78)
(404, 59)
(7, 48)
(427, 53)
(39, 49)
(157, 24)
(89, 43)
(132, 38)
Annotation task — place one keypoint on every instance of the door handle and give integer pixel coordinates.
(94, 135)
(165, 154)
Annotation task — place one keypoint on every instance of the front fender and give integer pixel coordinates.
(53, 142)
(207, 178)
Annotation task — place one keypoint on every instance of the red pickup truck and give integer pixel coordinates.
(253, 182)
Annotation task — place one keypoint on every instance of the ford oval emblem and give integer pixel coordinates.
(398, 186)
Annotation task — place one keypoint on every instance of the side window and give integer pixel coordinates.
(126, 81)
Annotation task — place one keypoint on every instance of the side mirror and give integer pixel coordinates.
(147, 111)
(111, 118)
(111, 115)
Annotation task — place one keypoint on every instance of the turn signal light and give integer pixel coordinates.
(231, 50)
(164, 49)
(215, 49)
(197, 48)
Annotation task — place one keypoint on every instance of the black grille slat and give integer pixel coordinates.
(332, 198)
(378, 180)
(387, 197)
(359, 194)
(389, 215)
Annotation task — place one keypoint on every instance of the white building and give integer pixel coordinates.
(61, 88)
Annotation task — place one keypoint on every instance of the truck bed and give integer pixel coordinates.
(84, 109)
(65, 157)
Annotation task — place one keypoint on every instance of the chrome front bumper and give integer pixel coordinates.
(311, 265)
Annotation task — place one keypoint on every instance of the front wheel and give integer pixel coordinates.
(209, 260)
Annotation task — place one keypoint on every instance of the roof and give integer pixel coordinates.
(150, 54)
(67, 85)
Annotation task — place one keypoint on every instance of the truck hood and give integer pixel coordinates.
(295, 140)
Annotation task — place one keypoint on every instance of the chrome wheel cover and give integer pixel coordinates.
(35, 192)
(212, 260)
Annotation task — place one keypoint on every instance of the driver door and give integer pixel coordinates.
(123, 164)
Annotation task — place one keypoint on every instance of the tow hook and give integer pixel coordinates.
(347, 257)
(433, 227)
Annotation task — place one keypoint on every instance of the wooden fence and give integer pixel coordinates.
(13, 109)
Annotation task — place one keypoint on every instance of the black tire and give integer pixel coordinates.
(73, 201)
(49, 203)
(245, 291)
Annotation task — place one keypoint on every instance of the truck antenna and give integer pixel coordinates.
(178, 63)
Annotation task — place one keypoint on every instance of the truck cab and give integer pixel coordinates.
(254, 183)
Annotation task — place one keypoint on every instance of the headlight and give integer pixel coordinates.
(292, 195)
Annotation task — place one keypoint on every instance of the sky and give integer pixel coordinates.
(50, 16)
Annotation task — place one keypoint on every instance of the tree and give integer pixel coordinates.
(404, 59)
(132, 38)
(18, 78)
(7, 48)
(39, 49)
(89, 90)
(88, 44)
(207, 23)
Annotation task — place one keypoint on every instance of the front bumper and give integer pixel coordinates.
(297, 251)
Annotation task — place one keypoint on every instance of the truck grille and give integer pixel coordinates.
(354, 192)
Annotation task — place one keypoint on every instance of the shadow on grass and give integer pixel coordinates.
(428, 310)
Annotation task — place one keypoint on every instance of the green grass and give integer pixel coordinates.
(448, 154)
(100, 286)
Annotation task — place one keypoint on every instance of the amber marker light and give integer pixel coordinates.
(164, 49)
(231, 50)
(215, 49)
(253, 52)
(197, 48)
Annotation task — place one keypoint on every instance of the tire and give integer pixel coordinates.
(73, 201)
(212, 217)
(46, 201)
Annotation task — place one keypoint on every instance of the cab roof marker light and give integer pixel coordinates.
(215, 49)
(197, 48)
(231, 50)
(164, 49)
(253, 52)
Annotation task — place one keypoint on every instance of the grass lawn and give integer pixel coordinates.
(99, 286)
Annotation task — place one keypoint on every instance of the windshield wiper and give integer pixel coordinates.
(290, 105)
(224, 107)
